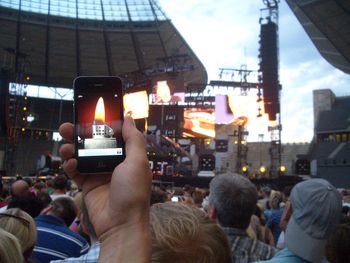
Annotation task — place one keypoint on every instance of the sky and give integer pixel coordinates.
(225, 34)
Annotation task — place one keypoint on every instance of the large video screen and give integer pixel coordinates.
(167, 92)
(137, 104)
(199, 123)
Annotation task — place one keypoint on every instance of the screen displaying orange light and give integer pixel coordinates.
(163, 91)
(199, 122)
(100, 110)
(137, 104)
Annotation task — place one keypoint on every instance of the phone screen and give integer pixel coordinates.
(175, 198)
(98, 104)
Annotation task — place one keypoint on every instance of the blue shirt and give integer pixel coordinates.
(56, 241)
(90, 257)
(273, 223)
(287, 256)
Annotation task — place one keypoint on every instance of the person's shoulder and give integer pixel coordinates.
(69, 232)
(263, 246)
(284, 256)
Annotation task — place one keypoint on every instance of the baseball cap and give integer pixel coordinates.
(316, 208)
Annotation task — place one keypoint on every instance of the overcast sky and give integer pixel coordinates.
(225, 34)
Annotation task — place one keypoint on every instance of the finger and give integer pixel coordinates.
(135, 146)
(67, 151)
(70, 167)
(66, 130)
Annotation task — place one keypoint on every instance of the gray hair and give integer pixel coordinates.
(234, 198)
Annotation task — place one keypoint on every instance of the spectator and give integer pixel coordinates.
(10, 248)
(55, 240)
(185, 234)
(316, 212)
(233, 199)
(158, 196)
(49, 186)
(27, 202)
(2, 199)
(44, 198)
(60, 184)
(21, 225)
(263, 233)
(92, 255)
(5, 191)
(39, 187)
(265, 196)
(338, 244)
(19, 187)
(273, 222)
(287, 212)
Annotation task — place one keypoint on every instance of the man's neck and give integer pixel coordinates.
(59, 192)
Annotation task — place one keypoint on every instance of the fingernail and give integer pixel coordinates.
(129, 116)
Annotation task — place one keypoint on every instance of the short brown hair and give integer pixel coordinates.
(185, 234)
(64, 208)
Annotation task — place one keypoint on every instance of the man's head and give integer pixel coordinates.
(19, 187)
(60, 182)
(27, 202)
(185, 234)
(232, 200)
(64, 208)
(316, 206)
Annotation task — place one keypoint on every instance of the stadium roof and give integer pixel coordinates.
(327, 22)
(55, 41)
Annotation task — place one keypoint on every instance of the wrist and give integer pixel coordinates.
(127, 243)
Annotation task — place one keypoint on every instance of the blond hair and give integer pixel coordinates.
(10, 249)
(185, 234)
(21, 225)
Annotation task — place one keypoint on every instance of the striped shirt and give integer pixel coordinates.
(90, 257)
(55, 240)
(244, 249)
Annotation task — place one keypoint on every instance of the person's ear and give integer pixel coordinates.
(46, 210)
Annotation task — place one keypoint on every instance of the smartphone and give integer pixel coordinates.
(175, 198)
(98, 120)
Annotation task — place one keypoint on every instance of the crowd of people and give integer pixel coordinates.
(123, 218)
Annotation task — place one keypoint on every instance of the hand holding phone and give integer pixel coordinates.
(109, 197)
(98, 119)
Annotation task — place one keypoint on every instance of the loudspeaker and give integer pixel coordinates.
(269, 68)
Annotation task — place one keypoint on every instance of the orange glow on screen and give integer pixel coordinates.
(100, 110)
(163, 91)
(137, 103)
(247, 107)
(199, 122)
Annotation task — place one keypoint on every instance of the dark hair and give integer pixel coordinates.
(27, 202)
(60, 182)
(45, 198)
(64, 208)
(337, 248)
(158, 196)
(29, 181)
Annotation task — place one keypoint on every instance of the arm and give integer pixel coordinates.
(118, 204)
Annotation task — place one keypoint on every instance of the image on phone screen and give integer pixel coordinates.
(98, 121)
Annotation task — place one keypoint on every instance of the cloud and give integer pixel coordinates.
(225, 33)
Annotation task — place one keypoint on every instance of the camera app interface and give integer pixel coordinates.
(99, 122)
